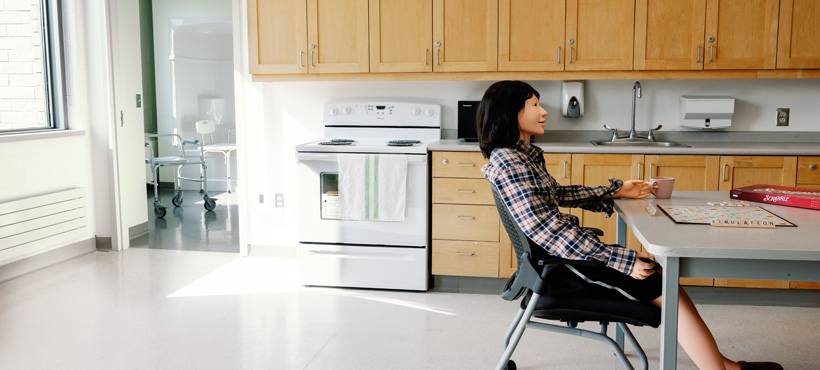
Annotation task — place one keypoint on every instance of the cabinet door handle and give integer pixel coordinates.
(724, 171)
(425, 56)
(640, 165)
(465, 217)
(565, 169)
(466, 165)
(698, 54)
(465, 191)
(711, 52)
(650, 169)
(570, 54)
(301, 64)
(312, 64)
(559, 55)
(438, 56)
(465, 254)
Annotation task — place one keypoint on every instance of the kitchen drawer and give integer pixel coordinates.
(458, 164)
(462, 191)
(465, 222)
(805, 174)
(465, 258)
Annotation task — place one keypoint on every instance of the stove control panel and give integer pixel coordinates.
(382, 114)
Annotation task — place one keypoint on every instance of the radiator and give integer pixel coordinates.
(38, 223)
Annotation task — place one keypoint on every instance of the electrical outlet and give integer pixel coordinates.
(782, 116)
(280, 200)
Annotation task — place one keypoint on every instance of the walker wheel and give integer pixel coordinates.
(177, 199)
(159, 212)
(210, 204)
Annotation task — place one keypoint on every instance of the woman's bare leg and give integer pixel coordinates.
(696, 339)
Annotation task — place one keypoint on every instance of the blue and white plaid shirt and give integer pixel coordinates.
(533, 197)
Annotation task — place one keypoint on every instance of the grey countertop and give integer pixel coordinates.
(725, 143)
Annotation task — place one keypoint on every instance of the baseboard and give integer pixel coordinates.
(137, 231)
(104, 244)
(280, 251)
(467, 284)
(43, 260)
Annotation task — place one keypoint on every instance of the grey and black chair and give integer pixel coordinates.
(535, 267)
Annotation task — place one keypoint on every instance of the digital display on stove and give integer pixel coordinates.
(380, 107)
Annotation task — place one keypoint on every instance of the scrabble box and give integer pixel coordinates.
(780, 195)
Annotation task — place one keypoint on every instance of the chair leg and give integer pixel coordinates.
(634, 343)
(522, 319)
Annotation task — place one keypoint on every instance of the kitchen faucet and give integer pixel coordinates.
(633, 135)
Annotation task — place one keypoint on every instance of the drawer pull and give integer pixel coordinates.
(724, 171)
(466, 165)
(465, 191)
(465, 254)
(465, 217)
(813, 167)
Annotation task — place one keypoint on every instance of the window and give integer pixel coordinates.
(31, 66)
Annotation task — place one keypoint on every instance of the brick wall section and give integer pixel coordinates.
(22, 84)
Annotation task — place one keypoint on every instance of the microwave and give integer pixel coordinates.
(467, 114)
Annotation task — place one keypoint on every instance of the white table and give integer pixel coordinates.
(689, 250)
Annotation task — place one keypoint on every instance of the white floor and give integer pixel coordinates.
(171, 309)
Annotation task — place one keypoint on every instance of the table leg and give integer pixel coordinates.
(620, 233)
(669, 314)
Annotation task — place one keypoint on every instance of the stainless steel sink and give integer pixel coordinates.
(639, 143)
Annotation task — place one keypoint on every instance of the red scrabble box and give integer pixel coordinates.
(780, 195)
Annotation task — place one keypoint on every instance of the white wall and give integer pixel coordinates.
(291, 113)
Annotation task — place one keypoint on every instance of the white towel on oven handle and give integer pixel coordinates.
(372, 187)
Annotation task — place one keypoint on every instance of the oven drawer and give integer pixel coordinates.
(465, 222)
(458, 164)
(362, 266)
(462, 191)
(462, 258)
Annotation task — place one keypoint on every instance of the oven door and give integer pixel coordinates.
(318, 175)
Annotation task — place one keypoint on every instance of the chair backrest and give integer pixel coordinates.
(205, 127)
(520, 242)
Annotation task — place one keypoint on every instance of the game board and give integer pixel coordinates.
(702, 214)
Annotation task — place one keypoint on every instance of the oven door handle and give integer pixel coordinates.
(334, 157)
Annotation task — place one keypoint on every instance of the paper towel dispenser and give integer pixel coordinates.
(706, 112)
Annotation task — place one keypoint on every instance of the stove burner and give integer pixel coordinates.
(333, 142)
(342, 140)
(403, 142)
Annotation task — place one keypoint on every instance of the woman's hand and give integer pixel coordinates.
(643, 267)
(634, 189)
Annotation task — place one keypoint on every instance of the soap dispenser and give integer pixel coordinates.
(572, 99)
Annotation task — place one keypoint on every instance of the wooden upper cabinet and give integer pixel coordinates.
(465, 35)
(741, 34)
(531, 35)
(277, 36)
(337, 36)
(313, 36)
(599, 35)
(798, 43)
(669, 34)
(401, 35)
(740, 171)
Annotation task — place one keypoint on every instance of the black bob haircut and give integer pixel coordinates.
(497, 118)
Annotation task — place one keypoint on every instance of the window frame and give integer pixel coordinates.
(51, 32)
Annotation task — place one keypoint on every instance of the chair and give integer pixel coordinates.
(208, 127)
(175, 161)
(533, 270)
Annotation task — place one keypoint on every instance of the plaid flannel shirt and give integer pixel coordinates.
(533, 197)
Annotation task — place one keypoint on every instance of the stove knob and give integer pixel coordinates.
(333, 111)
(415, 111)
(346, 110)
(428, 112)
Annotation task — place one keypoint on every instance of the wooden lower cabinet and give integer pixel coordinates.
(808, 176)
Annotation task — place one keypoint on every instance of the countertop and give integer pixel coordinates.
(723, 143)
